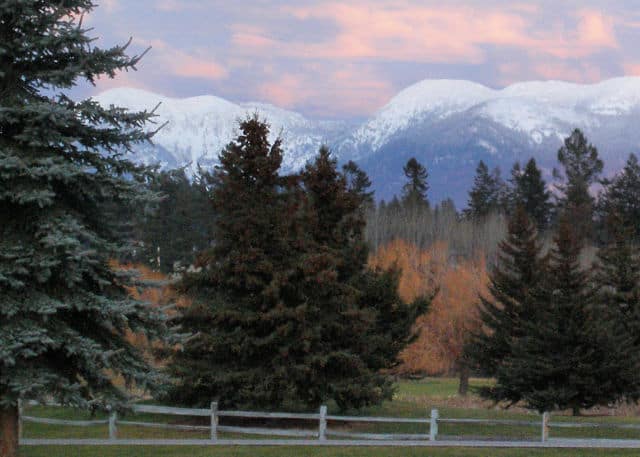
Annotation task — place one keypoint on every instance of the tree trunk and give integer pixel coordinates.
(575, 410)
(463, 387)
(9, 431)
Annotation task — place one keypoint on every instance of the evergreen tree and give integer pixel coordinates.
(621, 196)
(582, 168)
(358, 182)
(529, 191)
(378, 325)
(247, 317)
(569, 356)
(487, 193)
(64, 313)
(278, 310)
(518, 270)
(618, 278)
(414, 192)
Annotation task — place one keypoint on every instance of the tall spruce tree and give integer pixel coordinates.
(487, 193)
(621, 197)
(618, 278)
(569, 356)
(246, 315)
(414, 192)
(582, 168)
(64, 313)
(506, 311)
(285, 308)
(363, 323)
(358, 182)
(529, 191)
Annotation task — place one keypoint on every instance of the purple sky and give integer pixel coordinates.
(331, 59)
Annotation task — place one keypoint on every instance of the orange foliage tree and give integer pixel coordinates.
(444, 329)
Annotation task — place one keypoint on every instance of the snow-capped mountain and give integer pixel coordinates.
(198, 128)
(448, 125)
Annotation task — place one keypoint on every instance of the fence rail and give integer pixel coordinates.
(321, 432)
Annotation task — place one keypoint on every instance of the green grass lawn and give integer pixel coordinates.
(283, 451)
(413, 399)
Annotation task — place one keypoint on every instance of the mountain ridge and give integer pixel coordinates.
(446, 124)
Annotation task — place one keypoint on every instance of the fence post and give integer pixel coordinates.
(322, 431)
(20, 423)
(545, 426)
(214, 421)
(433, 425)
(113, 429)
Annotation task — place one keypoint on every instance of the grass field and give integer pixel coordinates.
(413, 399)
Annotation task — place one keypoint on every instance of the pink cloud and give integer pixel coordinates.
(180, 63)
(122, 79)
(352, 89)
(192, 67)
(632, 69)
(563, 71)
(250, 37)
(409, 31)
(596, 29)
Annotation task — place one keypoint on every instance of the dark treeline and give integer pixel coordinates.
(182, 222)
(483, 223)
(179, 224)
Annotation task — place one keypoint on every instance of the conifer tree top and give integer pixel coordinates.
(414, 192)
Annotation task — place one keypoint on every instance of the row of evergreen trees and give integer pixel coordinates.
(556, 333)
(572, 192)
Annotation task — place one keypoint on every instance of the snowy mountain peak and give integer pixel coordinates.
(446, 124)
(198, 128)
(436, 99)
(540, 109)
(434, 94)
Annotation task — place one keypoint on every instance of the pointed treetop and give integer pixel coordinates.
(414, 192)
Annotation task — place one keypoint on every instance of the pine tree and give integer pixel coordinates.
(278, 311)
(64, 313)
(246, 314)
(569, 356)
(487, 193)
(529, 191)
(503, 314)
(582, 168)
(618, 278)
(414, 192)
(363, 323)
(358, 183)
(621, 196)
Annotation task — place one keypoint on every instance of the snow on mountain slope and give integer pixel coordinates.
(434, 99)
(446, 124)
(539, 109)
(198, 128)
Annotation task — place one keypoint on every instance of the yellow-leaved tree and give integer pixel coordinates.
(453, 313)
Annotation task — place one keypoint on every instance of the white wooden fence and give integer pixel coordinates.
(320, 434)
